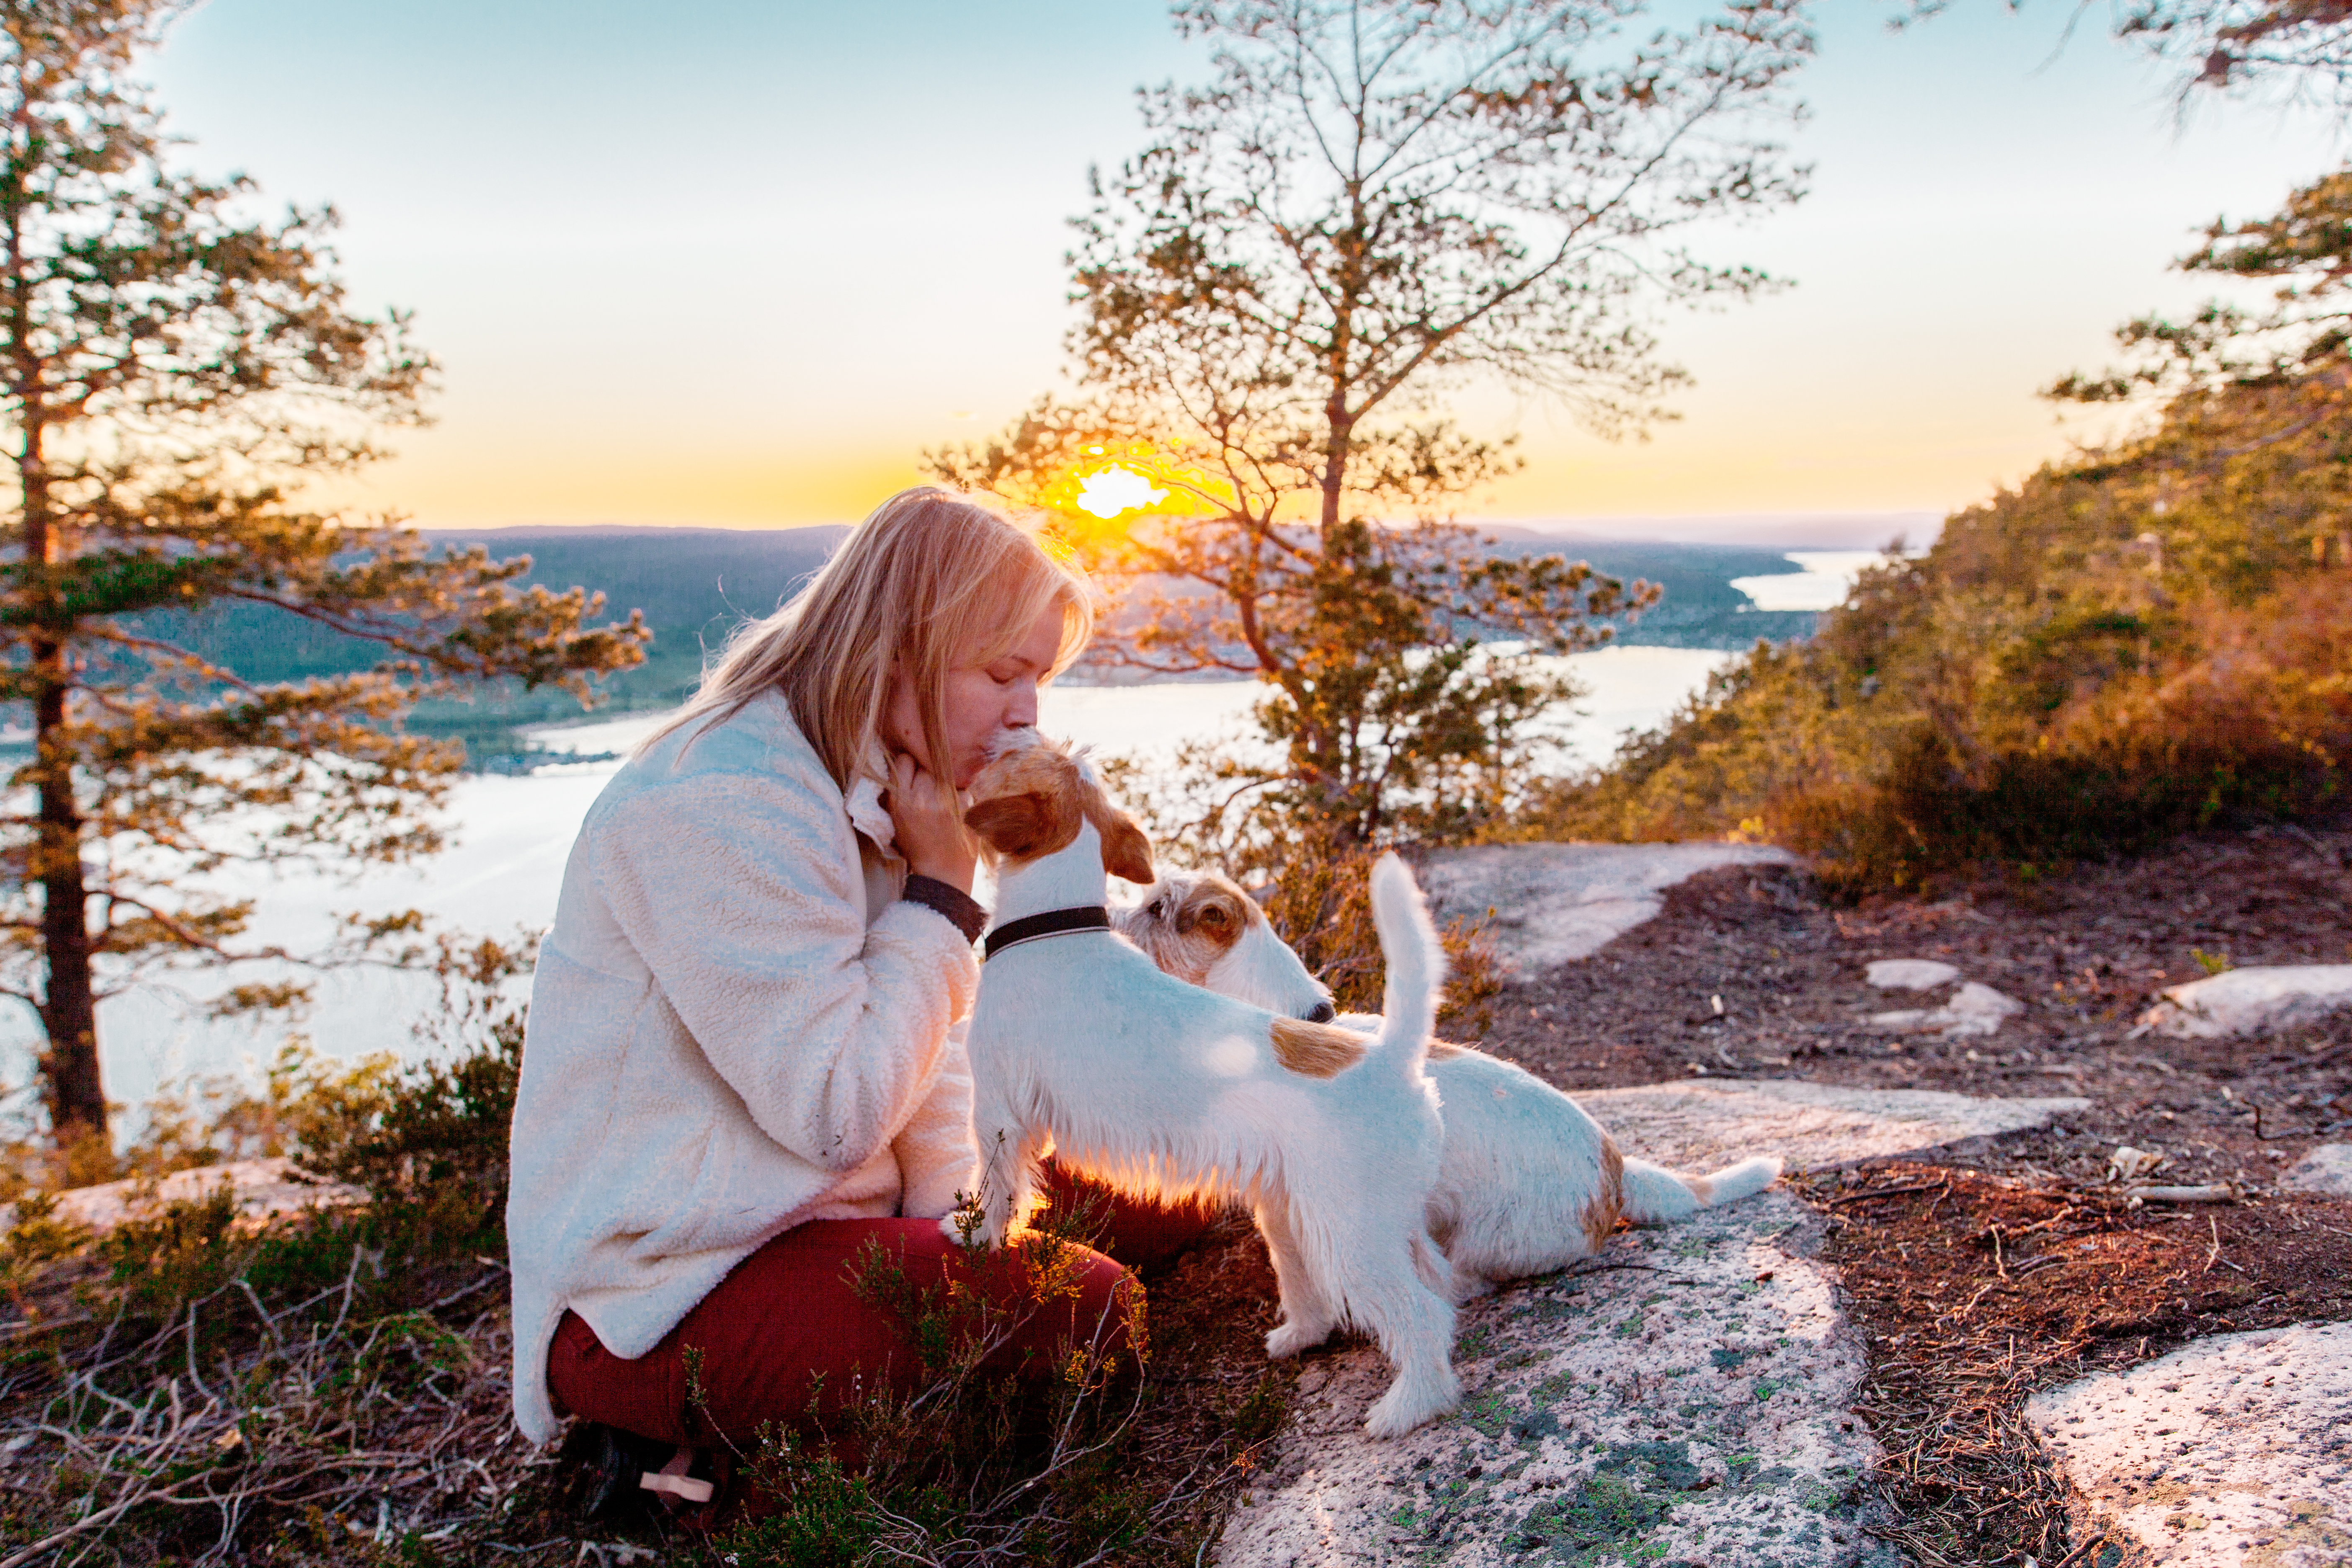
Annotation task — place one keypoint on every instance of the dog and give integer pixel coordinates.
(1530, 1182)
(1081, 1047)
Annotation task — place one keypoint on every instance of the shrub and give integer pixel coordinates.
(2082, 666)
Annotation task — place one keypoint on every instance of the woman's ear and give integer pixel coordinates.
(1126, 851)
(1010, 824)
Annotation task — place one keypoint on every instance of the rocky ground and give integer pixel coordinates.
(2086, 951)
(1988, 1285)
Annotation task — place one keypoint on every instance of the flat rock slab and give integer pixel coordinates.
(2325, 1170)
(1554, 903)
(1973, 1011)
(1684, 1397)
(2234, 1450)
(1910, 973)
(1810, 1125)
(2250, 1001)
(262, 1190)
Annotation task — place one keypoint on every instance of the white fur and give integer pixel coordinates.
(1081, 1047)
(1522, 1163)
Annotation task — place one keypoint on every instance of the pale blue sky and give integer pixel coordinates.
(736, 263)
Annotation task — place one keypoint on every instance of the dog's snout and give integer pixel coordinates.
(1323, 1013)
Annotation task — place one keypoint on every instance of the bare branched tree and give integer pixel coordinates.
(1370, 206)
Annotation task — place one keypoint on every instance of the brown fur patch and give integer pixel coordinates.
(1031, 802)
(1188, 923)
(1216, 912)
(1608, 1204)
(1315, 1050)
(1443, 1050)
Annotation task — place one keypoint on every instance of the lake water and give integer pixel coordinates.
(512, 834)
(1825, 579)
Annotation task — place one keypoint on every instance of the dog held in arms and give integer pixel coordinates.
(1530, 1183)
(1082, 1048)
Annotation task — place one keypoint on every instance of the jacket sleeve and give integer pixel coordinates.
(938, 1157)
(742, 894)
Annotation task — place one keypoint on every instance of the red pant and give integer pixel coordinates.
(787, 1317)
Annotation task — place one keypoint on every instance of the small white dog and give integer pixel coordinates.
(1082, 1048)
(1530, 1182)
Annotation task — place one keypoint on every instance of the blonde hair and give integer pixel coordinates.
(927, 581)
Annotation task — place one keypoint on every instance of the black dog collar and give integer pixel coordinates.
(1053, 922)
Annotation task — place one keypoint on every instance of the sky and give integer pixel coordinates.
(739, 263)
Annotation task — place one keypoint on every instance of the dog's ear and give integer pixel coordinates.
(1011, 824)
(1126, 851)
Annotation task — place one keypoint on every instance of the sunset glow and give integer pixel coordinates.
(1108, 492)
(1865, 387)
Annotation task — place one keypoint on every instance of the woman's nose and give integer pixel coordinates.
(1021, 712)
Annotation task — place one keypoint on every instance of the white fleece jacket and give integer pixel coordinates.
(737, 1027)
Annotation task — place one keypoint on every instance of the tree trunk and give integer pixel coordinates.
(75, 1094)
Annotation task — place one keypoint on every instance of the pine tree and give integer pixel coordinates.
(171, 371)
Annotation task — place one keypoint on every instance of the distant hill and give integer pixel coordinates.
(695, 585)
(1701, 608)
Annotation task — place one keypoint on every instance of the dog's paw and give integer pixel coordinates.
(951, 1226)
(1468, 1286)
(1291, 1338)
(1405, 1406)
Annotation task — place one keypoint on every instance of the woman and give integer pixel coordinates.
(744, 1059)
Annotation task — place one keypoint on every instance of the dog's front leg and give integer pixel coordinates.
(1008, 1152)
(1308, 1315)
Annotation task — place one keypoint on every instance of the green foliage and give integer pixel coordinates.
(2074, 669)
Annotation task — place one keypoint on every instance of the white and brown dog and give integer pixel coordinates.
(1081, 1047)
(1529, 1182)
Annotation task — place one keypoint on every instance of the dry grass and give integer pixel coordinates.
(1973, 1292)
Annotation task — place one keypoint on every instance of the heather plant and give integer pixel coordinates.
(984, 1462)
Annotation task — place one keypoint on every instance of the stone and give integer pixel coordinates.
(2233, 1451)
(1809, 1125)
(1911, 974)
(1685, 1396)
(1973, 1010)
(263, 1190)
(2325, 1169)
(2250, 1001)
(1603, 1420)
(1555, 903)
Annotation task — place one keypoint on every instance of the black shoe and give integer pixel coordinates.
(611, 1469)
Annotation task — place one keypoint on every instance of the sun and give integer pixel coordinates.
(1109, 491)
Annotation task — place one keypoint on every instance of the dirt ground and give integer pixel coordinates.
(2086, 949)
(2016, 1265)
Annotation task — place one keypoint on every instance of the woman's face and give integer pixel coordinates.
(980, 702)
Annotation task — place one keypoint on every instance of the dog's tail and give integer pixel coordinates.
(1416, 966)
(1654, 1194)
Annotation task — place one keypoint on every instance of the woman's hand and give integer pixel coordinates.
(927, 822)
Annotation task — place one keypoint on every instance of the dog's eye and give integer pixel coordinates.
(1213, 916)
(1157, 908)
